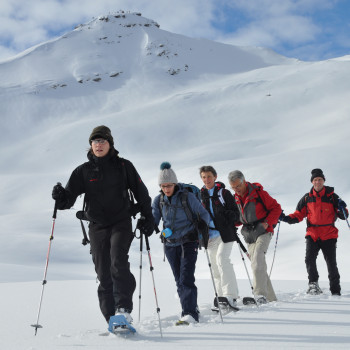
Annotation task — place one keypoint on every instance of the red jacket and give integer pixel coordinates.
(320, 209)
(258, 205)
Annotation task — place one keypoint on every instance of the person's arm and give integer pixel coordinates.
(231, 209)
(138, 188)
(341, 208)
(272, 206)
(298, 215)
(156, 210)
(66, 197)
(197, 207)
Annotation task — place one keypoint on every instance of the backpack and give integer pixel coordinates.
(200, 225)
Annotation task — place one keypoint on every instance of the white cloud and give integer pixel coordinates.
(274, 32)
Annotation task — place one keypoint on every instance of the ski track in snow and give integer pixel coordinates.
(72, 320)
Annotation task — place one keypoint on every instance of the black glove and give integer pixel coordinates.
(59, 195)
(282, 216)
(341, 204)
(289, 220)
(58, 192)
(146, 225)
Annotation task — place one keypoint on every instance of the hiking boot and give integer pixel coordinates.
(225, 302)
(125, 313)
(188, 319)
(231, 302)
(260, 299)
(314, 289)
(336, 293)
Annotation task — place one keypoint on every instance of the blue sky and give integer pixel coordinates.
(304, 29)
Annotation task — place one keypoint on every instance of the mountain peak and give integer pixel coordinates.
(121, 18)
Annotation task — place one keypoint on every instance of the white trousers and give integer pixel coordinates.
(261, 281)
(222, 268)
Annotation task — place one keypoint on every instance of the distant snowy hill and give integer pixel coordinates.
(165, 97)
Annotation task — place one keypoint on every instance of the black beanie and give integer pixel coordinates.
(317, 173)
(103, 132)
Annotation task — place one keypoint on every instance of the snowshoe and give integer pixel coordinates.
(182, 323)
(249, 301)
(226, 304)
(261, 300)
(185, 320)
(314, 289)
(118, 324)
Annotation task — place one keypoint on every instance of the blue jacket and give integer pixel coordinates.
(179, 224)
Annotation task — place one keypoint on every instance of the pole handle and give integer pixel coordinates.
(54, 215)
(147, 242)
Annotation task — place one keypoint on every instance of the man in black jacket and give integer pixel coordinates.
(223, 212)
(105, 180)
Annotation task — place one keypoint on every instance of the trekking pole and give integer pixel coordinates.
(141, 247)
(154, 286)
(37, 325)
(203, 234)
(344, 212)
(215, 290)
(242, 247)
(250, 282)
(274, 253)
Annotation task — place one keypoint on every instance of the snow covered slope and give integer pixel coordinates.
(191, 102)
(165, 97)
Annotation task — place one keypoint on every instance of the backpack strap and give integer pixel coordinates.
(261, 201)
(185, 206)
(161, 206)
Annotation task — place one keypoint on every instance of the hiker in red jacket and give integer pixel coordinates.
(259, 213)
(321, 206)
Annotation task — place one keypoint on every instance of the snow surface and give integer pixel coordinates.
(191, 102)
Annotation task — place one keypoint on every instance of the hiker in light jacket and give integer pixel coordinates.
(181, 237)
(259, 213)
(223, 212)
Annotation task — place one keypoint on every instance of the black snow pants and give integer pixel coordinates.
(110, 248)
(328, 248)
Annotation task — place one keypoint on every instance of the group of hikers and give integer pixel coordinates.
(106, 178)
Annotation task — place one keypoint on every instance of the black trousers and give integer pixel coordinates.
(110, 248)
(328, 248)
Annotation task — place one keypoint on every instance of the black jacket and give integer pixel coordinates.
(104, 184)
(225, 211)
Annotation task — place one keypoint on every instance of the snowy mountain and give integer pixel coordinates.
(111, 56)
(166, 97)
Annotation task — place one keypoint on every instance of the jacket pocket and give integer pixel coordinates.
(251, 232)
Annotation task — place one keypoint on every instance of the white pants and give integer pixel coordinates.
(223, 273)
(261, 281)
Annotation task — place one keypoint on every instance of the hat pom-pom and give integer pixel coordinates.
(165, 165)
